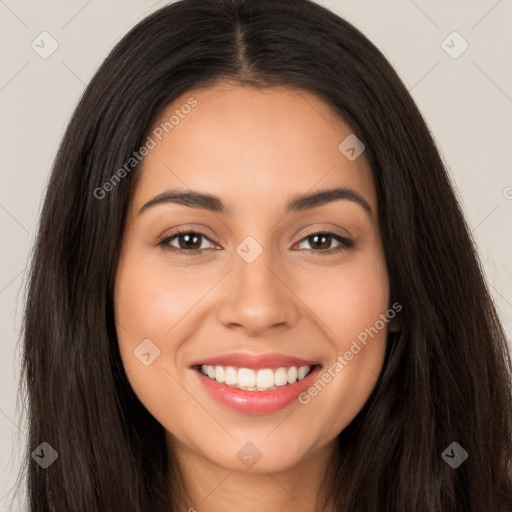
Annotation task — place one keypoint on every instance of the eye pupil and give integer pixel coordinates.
(188, 238)
(323, 236)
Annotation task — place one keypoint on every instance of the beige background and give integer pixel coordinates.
(466, 101)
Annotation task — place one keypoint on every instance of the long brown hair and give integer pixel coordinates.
(447, 375)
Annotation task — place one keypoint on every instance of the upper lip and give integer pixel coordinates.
(254, 361)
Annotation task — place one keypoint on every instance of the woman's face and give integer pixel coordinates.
(301, 282)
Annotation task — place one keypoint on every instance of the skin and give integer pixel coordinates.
(255, 149)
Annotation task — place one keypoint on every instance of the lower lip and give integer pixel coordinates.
(256, 402)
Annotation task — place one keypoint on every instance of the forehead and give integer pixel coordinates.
(249, 144)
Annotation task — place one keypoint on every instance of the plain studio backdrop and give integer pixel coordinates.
(450, 55)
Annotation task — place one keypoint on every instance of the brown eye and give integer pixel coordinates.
(321, 242)
(188, 242)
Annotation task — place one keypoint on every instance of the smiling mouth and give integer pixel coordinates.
(248, 379)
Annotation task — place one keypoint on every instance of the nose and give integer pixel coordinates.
(259, 296)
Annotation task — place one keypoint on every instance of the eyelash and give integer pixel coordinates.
(345, 243)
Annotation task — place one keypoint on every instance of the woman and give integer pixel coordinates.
(189, 346)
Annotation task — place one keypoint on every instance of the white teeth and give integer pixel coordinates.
(265, 379)
(220, 375)
(292, 375)
(246, 378)
(255, 380)
(231, 376)
(281, 377)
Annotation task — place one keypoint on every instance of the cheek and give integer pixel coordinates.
(147, 306)
(150, 300)
(351, 298)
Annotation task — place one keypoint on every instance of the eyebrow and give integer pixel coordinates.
(298, 203)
